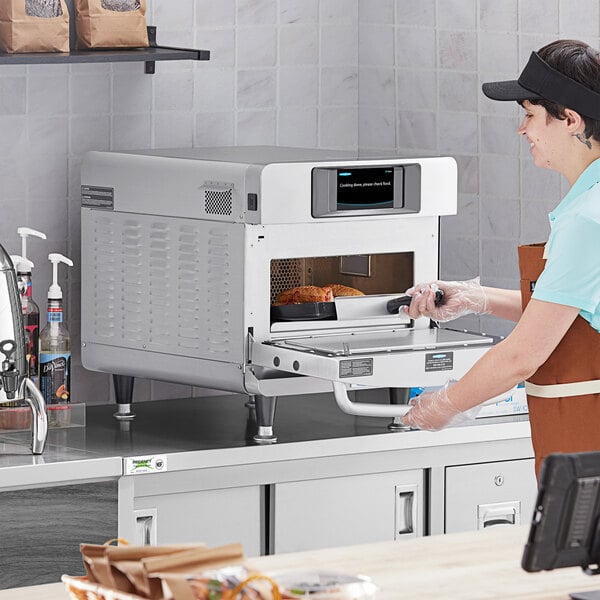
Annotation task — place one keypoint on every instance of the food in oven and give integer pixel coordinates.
(303, 294)
(343, 290)
(313, 293)
(309, 302)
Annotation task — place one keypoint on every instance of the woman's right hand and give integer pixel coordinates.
(460, 298)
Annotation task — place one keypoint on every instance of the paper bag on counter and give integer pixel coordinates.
(194, 560)
(111, 23)
(103, 563)
(130, 569)
(175, 569)
(34, 26)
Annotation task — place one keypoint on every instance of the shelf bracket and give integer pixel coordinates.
(150, 65)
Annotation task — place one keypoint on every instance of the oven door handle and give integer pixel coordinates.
(362, 409)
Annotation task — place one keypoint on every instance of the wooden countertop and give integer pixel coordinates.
(464, 566)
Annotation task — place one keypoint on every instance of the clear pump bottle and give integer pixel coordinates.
(55, 345)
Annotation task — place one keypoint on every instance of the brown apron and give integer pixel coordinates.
(570, 423)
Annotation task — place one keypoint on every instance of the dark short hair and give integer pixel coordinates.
(580, 62)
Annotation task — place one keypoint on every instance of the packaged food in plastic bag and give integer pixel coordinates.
(324, 585)
(229, 583)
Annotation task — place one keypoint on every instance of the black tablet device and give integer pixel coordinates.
(565, 529)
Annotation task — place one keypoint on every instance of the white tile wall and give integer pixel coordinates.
(498, 16)
(458, 91)
(215, 14)
(443, 52)
(298, 11)
(381, 76)
(457, 15)
(536, 18)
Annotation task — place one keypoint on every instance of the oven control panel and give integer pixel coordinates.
(359, 190)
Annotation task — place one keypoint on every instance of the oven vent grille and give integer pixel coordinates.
(287, 273)
(161, 285)
(218, 202)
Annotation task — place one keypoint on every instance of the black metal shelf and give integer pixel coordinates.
(148, 55)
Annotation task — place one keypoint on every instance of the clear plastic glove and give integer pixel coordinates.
(460, 298)
(434, 410)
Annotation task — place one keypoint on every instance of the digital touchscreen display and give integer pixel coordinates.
(365, 188)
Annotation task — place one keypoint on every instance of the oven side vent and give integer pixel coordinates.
(218, 201)
(160, 285)
(218, 292)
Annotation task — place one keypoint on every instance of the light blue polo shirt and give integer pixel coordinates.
(572, 272)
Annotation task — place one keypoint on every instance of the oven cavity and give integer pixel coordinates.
(371, 274)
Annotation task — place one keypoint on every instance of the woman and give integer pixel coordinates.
(556, 339)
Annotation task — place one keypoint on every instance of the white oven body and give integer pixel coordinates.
(177, 253)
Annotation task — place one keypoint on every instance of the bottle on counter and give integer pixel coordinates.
(9, 411)
(55, 352)
(30, 309)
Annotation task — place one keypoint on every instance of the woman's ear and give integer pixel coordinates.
(574, 122)
(576, 126)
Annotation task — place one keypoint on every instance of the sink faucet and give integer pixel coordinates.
(13, 369)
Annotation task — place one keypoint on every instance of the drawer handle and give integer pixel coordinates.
(405, 510)
(501, 513)
(406, 505)
(145, 524)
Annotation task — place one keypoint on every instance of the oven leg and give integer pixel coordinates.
(123, 385)
(398, 396)
(265, 415)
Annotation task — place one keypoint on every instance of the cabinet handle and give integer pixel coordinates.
(144, 524)
(500, 513)
(406, 510)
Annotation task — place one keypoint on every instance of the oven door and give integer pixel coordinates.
(397, 358)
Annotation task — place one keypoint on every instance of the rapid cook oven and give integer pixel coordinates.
(184, 253)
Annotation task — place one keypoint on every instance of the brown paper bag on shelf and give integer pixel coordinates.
(34, 26)
(111, 23)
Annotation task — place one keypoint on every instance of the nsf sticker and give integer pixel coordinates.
(136, 465)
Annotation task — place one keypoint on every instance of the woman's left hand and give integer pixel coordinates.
(431, 410)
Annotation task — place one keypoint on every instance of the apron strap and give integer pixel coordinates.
(563, 390)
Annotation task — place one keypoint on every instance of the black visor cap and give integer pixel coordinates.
(540, 80)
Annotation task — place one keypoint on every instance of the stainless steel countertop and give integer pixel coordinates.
(217, 431)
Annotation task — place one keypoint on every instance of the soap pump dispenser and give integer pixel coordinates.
(31, 311)
(55, 344)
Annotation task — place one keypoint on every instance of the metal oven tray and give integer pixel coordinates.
(387, 341)
(388, 358)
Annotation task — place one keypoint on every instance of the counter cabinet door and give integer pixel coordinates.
(339, 511)
(41, 529)
(213, 517)
(489, 494)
